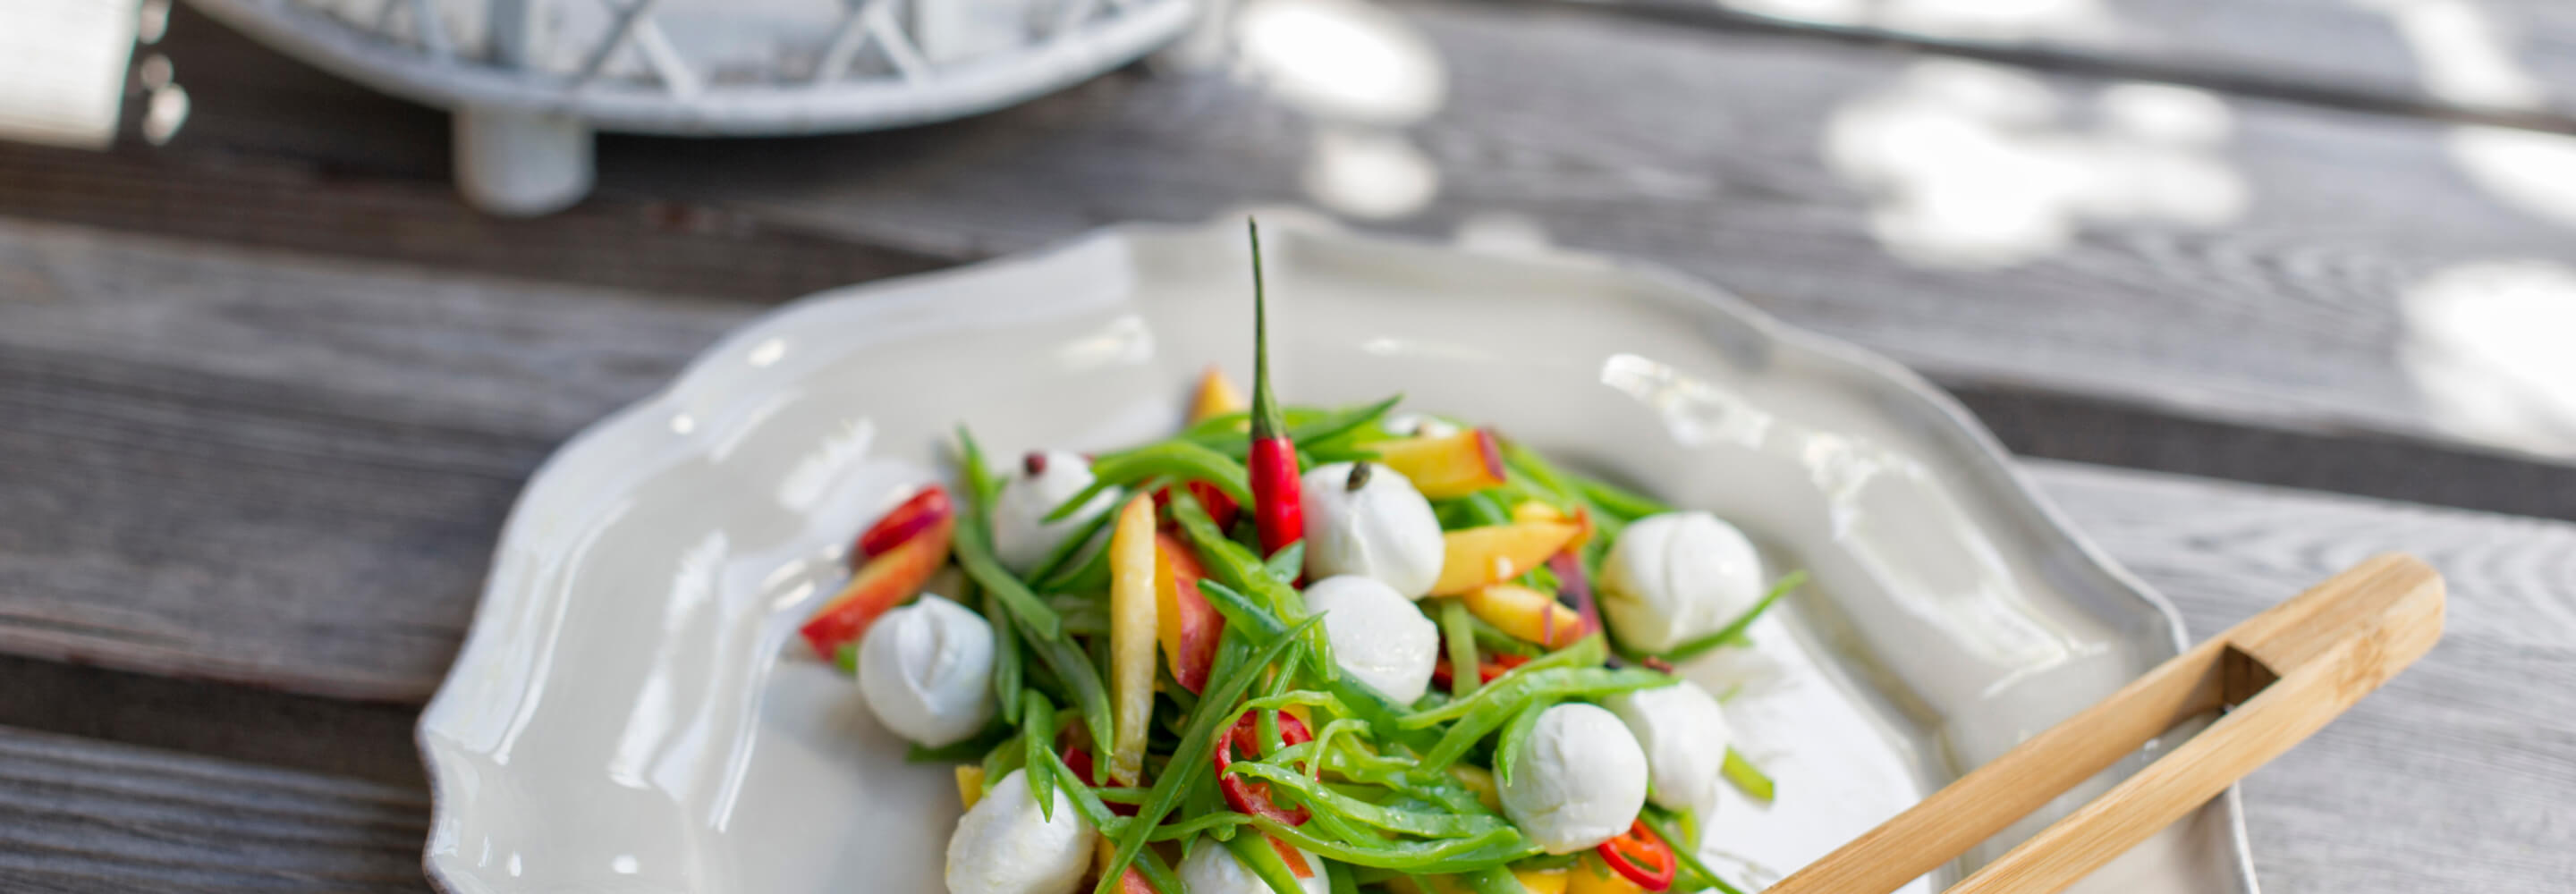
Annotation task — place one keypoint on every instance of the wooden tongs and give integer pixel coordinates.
(2281, 675)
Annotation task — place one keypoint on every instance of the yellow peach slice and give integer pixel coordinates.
(1492, 554)
(1527, 614)
(1446, 466)
(1216, 396)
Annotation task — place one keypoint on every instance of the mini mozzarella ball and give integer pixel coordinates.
(1579, 780)
(1212, 869)
(1378, 636)
(1383, 529)
(1005, 846)
(1676, 576)
(927, 671)
(1022, 537)
(1683, 732)
(1419, 425)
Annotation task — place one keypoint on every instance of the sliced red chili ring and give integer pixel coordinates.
(1250, 797)
(1622, 854)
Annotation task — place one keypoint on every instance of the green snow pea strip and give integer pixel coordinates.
(1686, 851)
(1744, 775)
(1087, 802)
(1003, 759)
(981, 488)
(1322, 798)
(1587, 652)
(1493, 880)
(1264, 862)
(1178, 460)
(1190, 761)
(1235, 566)
(1219, 432)
(1361, 701)
(1458, 635)
(1287, 563)
(1083, 678)
(1735, 628)
(975, 554)
(1494, 848)
(1056, 561)
(1507, 749)
(1040, 747)
(1007, 679)
(1629, 506)
(1562, 683)
(1342, 880)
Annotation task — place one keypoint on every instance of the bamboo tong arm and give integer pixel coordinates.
(2285, 672)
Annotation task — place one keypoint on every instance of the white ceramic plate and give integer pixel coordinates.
(627, 715)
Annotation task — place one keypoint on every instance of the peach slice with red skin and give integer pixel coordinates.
(1446, 466)
(1476, 557)
(1187, 625)
(1526, 614)
(884, 582)
(1535, 510)
(913, 516)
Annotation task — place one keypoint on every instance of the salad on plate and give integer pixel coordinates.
(1301, 650)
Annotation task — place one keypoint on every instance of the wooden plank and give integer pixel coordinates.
(2457, 776)
(369, 741)
(83, 816)
(2293, 316)
(222, 465)
(2510, 61)
(2304, 307)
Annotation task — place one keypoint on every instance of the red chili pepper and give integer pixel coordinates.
(1252, 797)
(1272, 462)
(911, 517)
(1640, 843)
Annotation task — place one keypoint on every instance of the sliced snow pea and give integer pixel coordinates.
(1038, 740)
(1458, 635)
(1235, 566)
(1587, 653)
(1744, 775)
(1382, 714)
(1507, 748)
(1189, 762)
(1321, 798)
(1178, 460)
(1494, 848)
(1510, 696)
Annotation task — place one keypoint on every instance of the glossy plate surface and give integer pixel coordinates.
(628, 713)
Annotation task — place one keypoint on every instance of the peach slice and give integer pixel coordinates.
(913, 516)
(883, 583)
(1475, 557)
(1527, 614)
(1448, 465)
(1216, 396)
(1589, 876)
(1535, 510)
(1131, 637)
(1187, 625)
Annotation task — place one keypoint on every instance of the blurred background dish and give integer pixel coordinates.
(530, 80)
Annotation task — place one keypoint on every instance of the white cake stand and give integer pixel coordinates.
(530, 80)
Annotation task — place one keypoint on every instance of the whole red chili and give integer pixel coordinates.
(1250, 797)
(1640, 843)
(1272, 463)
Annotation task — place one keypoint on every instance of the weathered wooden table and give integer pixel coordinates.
(266, 391)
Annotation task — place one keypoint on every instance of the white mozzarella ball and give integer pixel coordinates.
(1022, 537)
(1378, 636)
(1383, 529)
(1684, 734)
(1676, 576)
(927, 671)
(1211, 869)
(1419, 425)
(1005, 846)
(1579, 779)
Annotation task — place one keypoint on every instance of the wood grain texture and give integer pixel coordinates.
(2291, 316)
(2458, 776)
(225, 466)
(2355, 53)
(2292, 313)
(83, 816)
